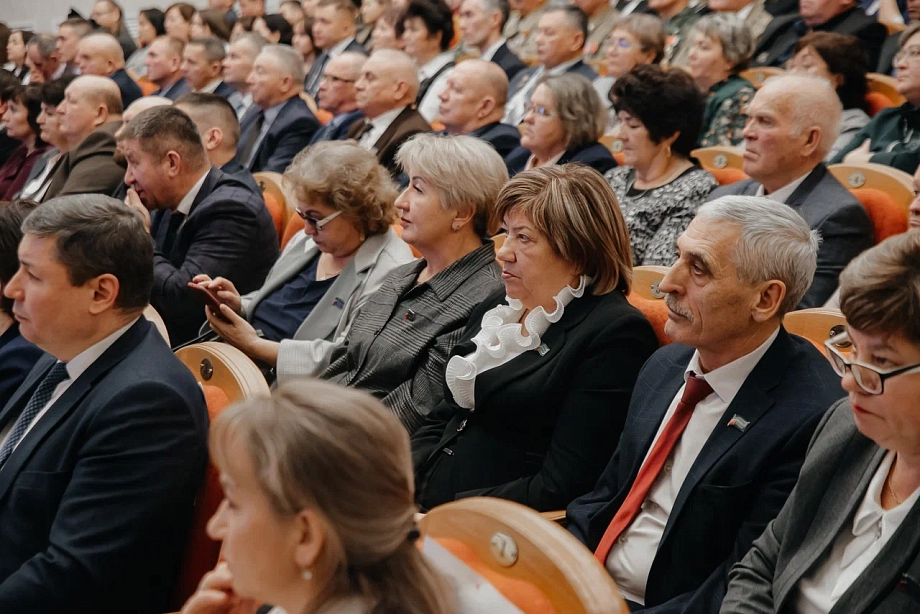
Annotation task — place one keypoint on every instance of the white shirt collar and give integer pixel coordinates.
(210, 87)
(385, 119)
(782, 195)
(437, 63)
(727, 380)
(82, 361)
(185, 205)
(490, 52)
(339, 47)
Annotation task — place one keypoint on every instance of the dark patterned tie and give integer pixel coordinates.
(40, 398)
(251, 136)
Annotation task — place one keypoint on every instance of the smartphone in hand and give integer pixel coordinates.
(210, 299)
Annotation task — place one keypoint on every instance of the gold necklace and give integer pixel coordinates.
(888, 485)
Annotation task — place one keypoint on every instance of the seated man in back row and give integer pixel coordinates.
(103, 447)
(720, 420)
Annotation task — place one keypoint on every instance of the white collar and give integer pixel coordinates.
(185, 205)
(727, 380)
(386, 118)
(82, 361)
(435, 64)
(339, 47)
(210, 87)
(782, 194)
(550, 162)
(744, 13)
(488, 53)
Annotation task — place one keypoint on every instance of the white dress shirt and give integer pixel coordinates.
(271, 114)
(379, 125)
(185, 205)
(75, 368)
(428, 107)
(782, 195)
(631, 557)
(489, 52)
(210, 87)
(855, 547)
(35, 189)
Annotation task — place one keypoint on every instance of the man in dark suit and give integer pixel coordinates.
(386, 95)
(336, 94)
(89, 117)
(100, 54)
(720, 420)
(481, 23)
(334, 33)
(204, 220)
(69, 34)
(45, 60)
(103, 447)
(164, 67)
(473, 103)
(278, 124)
(561, 37)
(202, 65)
(841, 16)
(793, 123)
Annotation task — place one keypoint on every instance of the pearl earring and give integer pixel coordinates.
(307, 574)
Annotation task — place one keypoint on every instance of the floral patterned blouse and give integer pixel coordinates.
(724, 117)
(657, 216)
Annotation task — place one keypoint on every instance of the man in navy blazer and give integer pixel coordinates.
(278, 124)
(336, 95)
(202, 64)
(164, 67)
(481, 23)
(205, 221)
(101, 54)
(334, 33)
(103, 447)
(742, 264)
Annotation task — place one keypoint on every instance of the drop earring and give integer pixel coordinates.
(307, 574)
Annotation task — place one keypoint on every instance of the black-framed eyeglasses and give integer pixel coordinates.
(317, 224)
(871, 379)
(334, 79)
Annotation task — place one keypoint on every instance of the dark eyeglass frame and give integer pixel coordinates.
(317, 224)
(841, 365)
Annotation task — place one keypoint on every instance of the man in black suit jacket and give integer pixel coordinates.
(336, 95)
(164, 67)
(473, 102)
(205, 221)
(278, 124)
(103, 447)
(334, 33)
(100, 54)
(743, 263)
(777, 43)
(786, 164)
(481, 23)
(202, 64)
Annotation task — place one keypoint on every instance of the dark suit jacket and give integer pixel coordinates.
(311, 81)
(834, 212)
(886, 56)
(236, 169)
(739, 481)
(408, 123)
(96, 500)
(337, 128)
(508, 62)
(17, 357)
(289, 133)
(840, 464)
(502, 137)
(546, 423)
(130, 91)
(783, 32)
(224, 90)
(175, 90)
(523, 76)
(595, 155)
(228, 233)
(90, 166)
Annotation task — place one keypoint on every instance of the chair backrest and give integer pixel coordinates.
(533, 562)
(893, 28)
(887, 216)
(227, 376)
(294, 225)
(322, 115)
(876, 102)
(645, 281)
(646, 298)
(727, 176)
(897, 184)
(278, 202)
(887, 86)
(757, 76)
(817, 325)
(151, 314)
(719, 157)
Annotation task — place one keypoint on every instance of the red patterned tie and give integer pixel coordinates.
(695, 391)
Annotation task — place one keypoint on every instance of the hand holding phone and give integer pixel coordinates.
(210, 299)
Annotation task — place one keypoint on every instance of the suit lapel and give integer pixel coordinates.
(801, 193)
(26, 390)
(392, 130)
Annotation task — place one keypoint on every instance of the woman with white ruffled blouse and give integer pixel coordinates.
(538, 386)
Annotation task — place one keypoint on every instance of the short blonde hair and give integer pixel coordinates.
(347, 178)
(467, 173)
(579, 107)
(577, 211)
(339, 451)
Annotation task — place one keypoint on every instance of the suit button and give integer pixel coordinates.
(622, 539)
(667, 468)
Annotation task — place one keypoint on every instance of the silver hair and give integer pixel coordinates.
(46, 44)
(255, 41)
(732, 33)
(579, 107)
(775, 243)
(813, 103)
(290, 60)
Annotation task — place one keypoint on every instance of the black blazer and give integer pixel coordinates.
(175, 90)
(311, 81)
(337, 128)
(228, 233)
(523, 76)
(17, 357)
(833, 211)
(96, 501)
(289, 133)
(224, 90)
(502, 137)
(130, 91)
(545, 423)
(508, 62)
(886, 55)
(595, 155)
(739, 481)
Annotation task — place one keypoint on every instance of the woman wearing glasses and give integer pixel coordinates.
(636, 39)
(847, 538)
(562, 123)
(328, 270)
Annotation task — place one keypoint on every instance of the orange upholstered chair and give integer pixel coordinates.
(817, 325)
(876, 101)
(757, 76)
(887, 86)
(226, 376)
(276, 200)
(294, 225)
(887, 216)
(725, 176)
(719, 158)
(646, 298)
(532, 562)
(885, 192)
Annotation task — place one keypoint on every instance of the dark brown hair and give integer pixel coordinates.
(12, 214)
(845, 55)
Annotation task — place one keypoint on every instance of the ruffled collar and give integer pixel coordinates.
(501, 338)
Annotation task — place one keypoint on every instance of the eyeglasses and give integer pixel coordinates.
(622, 43)
(907, 53)
(539, 110)
(334, 79)
(317, 224)
(867, 377)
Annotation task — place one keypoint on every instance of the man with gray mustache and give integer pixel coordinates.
(720, 420)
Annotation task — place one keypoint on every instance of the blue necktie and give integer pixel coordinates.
(40, 398)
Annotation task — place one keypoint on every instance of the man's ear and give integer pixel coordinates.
(213, 138)
(173, 163)
(770, 297)
(105, 293)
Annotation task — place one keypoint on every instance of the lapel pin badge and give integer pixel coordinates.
(739, 423)
(338, 302)
(542, 350)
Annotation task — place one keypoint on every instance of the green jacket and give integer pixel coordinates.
(724, 117)
(894, 136)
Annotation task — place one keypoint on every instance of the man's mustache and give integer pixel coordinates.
(676, 307)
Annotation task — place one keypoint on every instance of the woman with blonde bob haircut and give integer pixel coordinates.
(540, 382)
(326, 272)
(318, 512)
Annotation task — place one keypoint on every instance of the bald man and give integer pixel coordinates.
(101, 54)
(336, 94)
(164, 67)
(386, 93)
(89, 117)
(473, 103)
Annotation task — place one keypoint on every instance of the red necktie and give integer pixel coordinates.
(695, 391)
